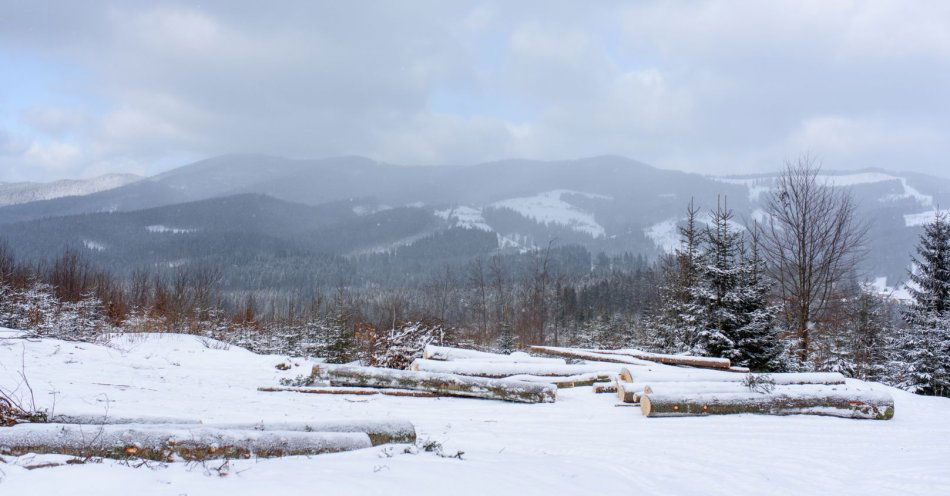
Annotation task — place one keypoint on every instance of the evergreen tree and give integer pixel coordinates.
(679, 316)
(506, 339)
(925, 343)
(757, 344)
(341, 342)
(717, 287)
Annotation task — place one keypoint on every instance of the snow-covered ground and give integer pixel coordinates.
(582, 444)
(550, 208)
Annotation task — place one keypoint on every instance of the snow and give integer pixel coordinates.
(579, 445)
(465, 217)
(158, 228)
(502, 369)
(759, 185)
(551, 208)
(922, 218)
(665, 234)
(16, 193)
(94, 245)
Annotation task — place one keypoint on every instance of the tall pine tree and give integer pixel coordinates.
(925, 342)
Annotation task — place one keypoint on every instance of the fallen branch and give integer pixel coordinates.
(170, 444)
(500, 370)
(847, 404)
(442, 384)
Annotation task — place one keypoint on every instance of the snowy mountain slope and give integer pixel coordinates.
(17, 193)
(582, 444)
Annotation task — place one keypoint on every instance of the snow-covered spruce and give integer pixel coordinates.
(836, 403)
(440, 383)
(500, 370)
(445, 353)
(647, 376)
(170, 443)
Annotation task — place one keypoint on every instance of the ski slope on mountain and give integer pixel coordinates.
(582, 444)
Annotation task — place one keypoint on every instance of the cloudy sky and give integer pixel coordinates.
(705, 86)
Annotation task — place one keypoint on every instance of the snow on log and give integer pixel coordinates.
(837, 403)
(604, 387)
(365, 391)
(445, 353)
(591, 355)
(741, 370)
(83, 418)
(567, 381)
(170, 443)
(500, 370)
(780, 379)
(440, 383)
(691, 361)
(379, 431)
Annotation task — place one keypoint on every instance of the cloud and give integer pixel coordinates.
(708, 86)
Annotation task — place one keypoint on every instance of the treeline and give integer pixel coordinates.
(780, 293)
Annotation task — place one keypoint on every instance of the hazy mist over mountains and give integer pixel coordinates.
(262, 215)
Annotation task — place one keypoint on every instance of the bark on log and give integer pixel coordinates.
(501, 370)
(781, 379)
(562, 382)
(859, 405)
(590, 355)
(691, 361)
(379, 431)
(605, 387)
(445, 353)
(443, 384)
(360, 391)
(170, 444)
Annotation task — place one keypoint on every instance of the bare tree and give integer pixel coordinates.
(810, 241)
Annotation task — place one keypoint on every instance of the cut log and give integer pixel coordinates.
(379, 431)
(360, 391)
(630, 392)
(847, 404)
(691, 361)
(562, 382)
(590, 355)
(781, 379)
(500, 370)
(741, 370)
(443, 384)
(171, 443)
(605, 387)
(445, 353)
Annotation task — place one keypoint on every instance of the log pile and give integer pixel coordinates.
(441, 384)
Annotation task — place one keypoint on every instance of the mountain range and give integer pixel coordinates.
(285, 222)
